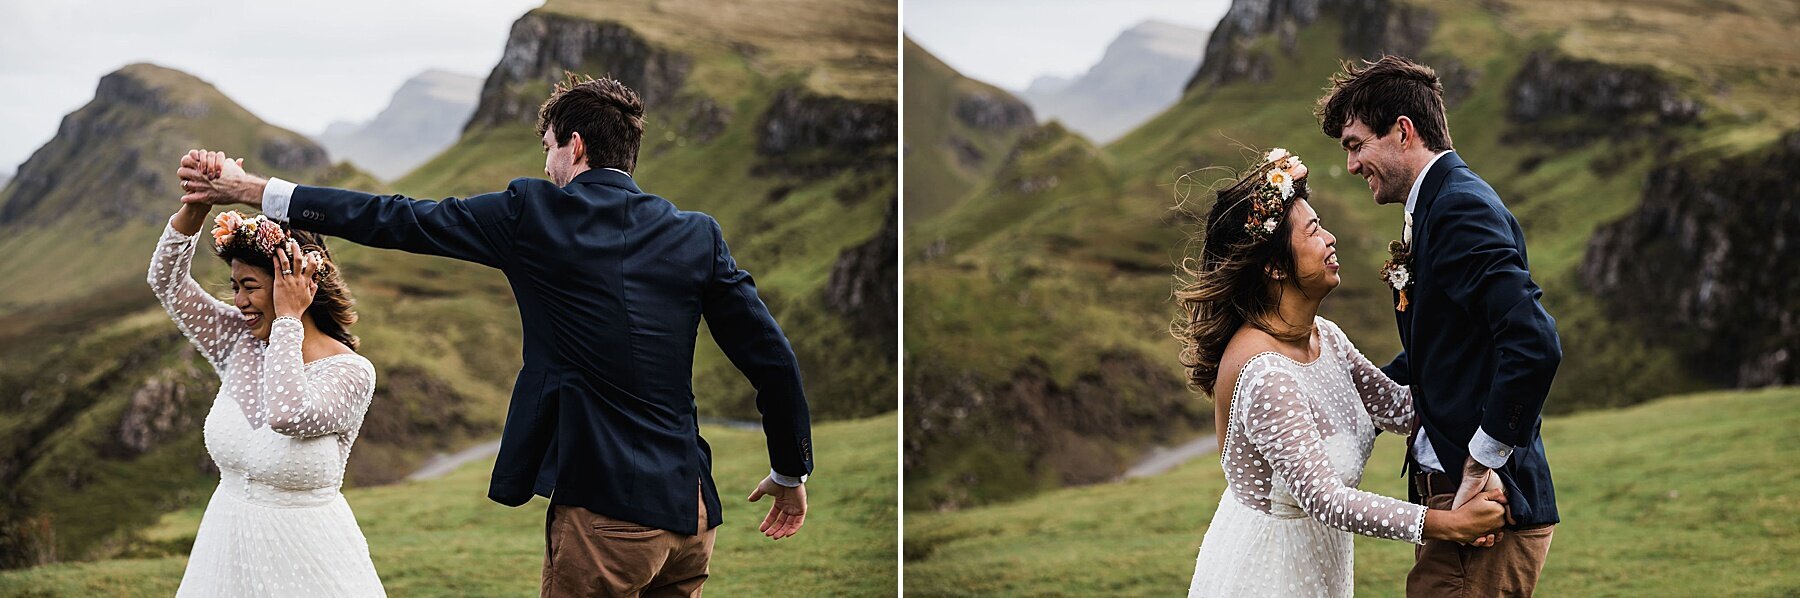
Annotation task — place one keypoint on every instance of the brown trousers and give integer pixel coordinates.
(589, 554)
(1509, 568)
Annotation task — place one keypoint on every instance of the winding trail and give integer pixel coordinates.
(1160, 460)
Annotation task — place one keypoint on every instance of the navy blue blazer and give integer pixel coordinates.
(1477, 347)
(611, 284)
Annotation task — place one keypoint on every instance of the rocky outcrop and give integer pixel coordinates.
(114, 156)
(1065, 433)
(131, 86)
(542, 46)
(862, 287)
(1371, 28)
(812, 135)
(158, 410)
(1575, 101)
(992, 110)
(1706, 264)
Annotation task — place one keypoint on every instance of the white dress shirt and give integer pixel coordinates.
(1485, 449)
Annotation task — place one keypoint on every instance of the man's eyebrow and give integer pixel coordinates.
(1345, 141)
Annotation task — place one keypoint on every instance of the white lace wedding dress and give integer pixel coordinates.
(280, 431)
(1295, 444)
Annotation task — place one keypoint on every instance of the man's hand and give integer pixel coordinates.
(211, 178)
(787, 514)
(1478, 479)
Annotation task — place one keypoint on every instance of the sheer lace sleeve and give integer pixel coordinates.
(329, 399)
(1280, 424)
(212, 325)
(1389, 403)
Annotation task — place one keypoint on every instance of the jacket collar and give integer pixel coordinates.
(1434, 178)
(608, 177)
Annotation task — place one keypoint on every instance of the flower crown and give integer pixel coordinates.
(259, 233)
(1269, 202)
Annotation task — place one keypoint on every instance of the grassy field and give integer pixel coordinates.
(1685, 496)
(444, 538)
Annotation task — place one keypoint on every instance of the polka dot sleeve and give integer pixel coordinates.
(1280, 425)
(1389, 403)
(328, 398)
(212, 325)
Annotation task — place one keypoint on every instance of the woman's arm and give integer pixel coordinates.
(1279, 423)
(209, 323)
(1388, 402)
(331, 399)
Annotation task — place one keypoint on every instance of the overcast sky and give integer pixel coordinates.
(1010, 42)
(299, 65)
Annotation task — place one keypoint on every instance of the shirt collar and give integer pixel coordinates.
(1412, 198)
(1415, 187)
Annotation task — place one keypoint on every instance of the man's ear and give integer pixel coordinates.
(1408, 132)
(578, 148)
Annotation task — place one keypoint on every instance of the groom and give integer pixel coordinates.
(1478, 349)
(611, 284)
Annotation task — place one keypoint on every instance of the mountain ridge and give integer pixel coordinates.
(1129, 84)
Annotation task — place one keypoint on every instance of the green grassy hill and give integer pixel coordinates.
(444, 538)
(1039, 307)
(958, 132)
(1678, 497)
(101, 401)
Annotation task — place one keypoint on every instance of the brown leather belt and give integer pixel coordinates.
(1432, 484)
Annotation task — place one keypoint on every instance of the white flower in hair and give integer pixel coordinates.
(1279, 179)
(1271, 224)
(1275, 154)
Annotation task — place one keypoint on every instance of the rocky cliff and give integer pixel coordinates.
(803, 132)
(1569, 101)
(543, 45)
(862, 287)
(1706, 264)
(1368, 28)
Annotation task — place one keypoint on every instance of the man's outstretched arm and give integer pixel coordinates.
(477, 229)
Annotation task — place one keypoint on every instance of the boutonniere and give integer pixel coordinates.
(1397, 272)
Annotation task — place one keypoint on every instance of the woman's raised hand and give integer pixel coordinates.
(294, 285)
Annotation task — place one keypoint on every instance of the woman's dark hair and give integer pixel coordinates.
(1379, 93)
(333, 309)
(608, 115)
(1230, 285)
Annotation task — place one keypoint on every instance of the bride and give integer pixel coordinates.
(1297, 405)
(292, 396)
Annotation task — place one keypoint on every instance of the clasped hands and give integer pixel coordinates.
(212, 179)
(1482, 485)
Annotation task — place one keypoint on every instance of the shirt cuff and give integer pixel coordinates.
(788, 481)
(1488, 451)
(276, 196)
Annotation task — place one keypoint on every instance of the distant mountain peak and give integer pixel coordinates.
(115, 155)
(157, 88)
(425, 116)
(1141, 73)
